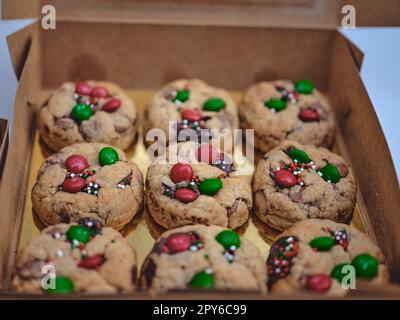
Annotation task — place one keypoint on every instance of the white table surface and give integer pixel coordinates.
(380, 73)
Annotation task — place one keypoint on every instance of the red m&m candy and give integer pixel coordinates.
(285, 178)
(181, 172)
(91, 262)
(191, 114)
(76, 163)
(112, 105)
(318, 283)
(99, 92)
(308, 115)
(178, 242)
(207, 153)
(185, 195)
(74, 184)
(83, 88)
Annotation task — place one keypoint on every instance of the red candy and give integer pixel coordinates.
(207, 153)
(181, 172)
(112, 105)
(76, 163)
(191, 114)
(74, 184)
(83, 88)
(309, 115)
(99, 92)
(318, 283)
(178, 242)
(185, 195)
(285, 178)
(91, 262)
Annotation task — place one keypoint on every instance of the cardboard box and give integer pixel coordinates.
(231, 44)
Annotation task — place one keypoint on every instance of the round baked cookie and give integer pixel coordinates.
(86, 258)
(198, 191)
(192, 104)
(295, 182)
(88, 180)
(203, 257)
(311, 255)
(91, 111)
(280, 110)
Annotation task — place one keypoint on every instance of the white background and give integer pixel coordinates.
(380, 73)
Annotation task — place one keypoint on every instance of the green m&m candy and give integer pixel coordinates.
(337, 273)
(304, 86)
(202, 280)
(79, 233)
(63, 285)
(108, 156)
(228, 239)
(330, 173)
(182, 95)
(322, 243)
(366, 266)
(81, 112)
(299, 155)
(276, 104)
(214, 104)
(210, 187)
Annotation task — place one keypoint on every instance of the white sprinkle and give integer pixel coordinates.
(90, 184)
(193, 248)
(295, 173)
(320, 173)
(314, 167)
(329, 181)
(302, 183)
(59, 253)
(209, 270)
(277, 270)
(232, 248)
(277, 262)
(278, 168)
(96, 185)
(273, 110)
(72, 175)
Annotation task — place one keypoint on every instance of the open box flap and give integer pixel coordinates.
(277, 13)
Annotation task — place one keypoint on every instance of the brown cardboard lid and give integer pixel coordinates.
(322, 14)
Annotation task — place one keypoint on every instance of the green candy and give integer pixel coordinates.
(214, 104)
(336, 272)
(322, 243)
(202, 280)
(366, 266)
(304, 86)
(108, 156)
(228, 238)
(64, 285)
(79, 233)
(276, 104)
(299, 155)
(182, 95)
(330, 173)
(81, 112)
(210, 187)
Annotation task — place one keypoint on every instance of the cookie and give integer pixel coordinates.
(88, 180)
(192, 104)
(203, 190)
(86, 258)
(280, 110)
(203, 257)
(318, 256)
(91, 111)
(295, 182)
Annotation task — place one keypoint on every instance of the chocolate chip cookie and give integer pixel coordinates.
(88, 180)
(295, 182)
(280, 110)
(203, 257)
(199, 190)
(91, 111)
(196, 109)
(319, 256)
(85, 257)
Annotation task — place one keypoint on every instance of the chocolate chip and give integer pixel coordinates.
(296, 194)
(31, 269)
(149, 271)
(65, 218)
(343, 170)
(134, 275)
(158, 246)
(65, 123)
(233, 208)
